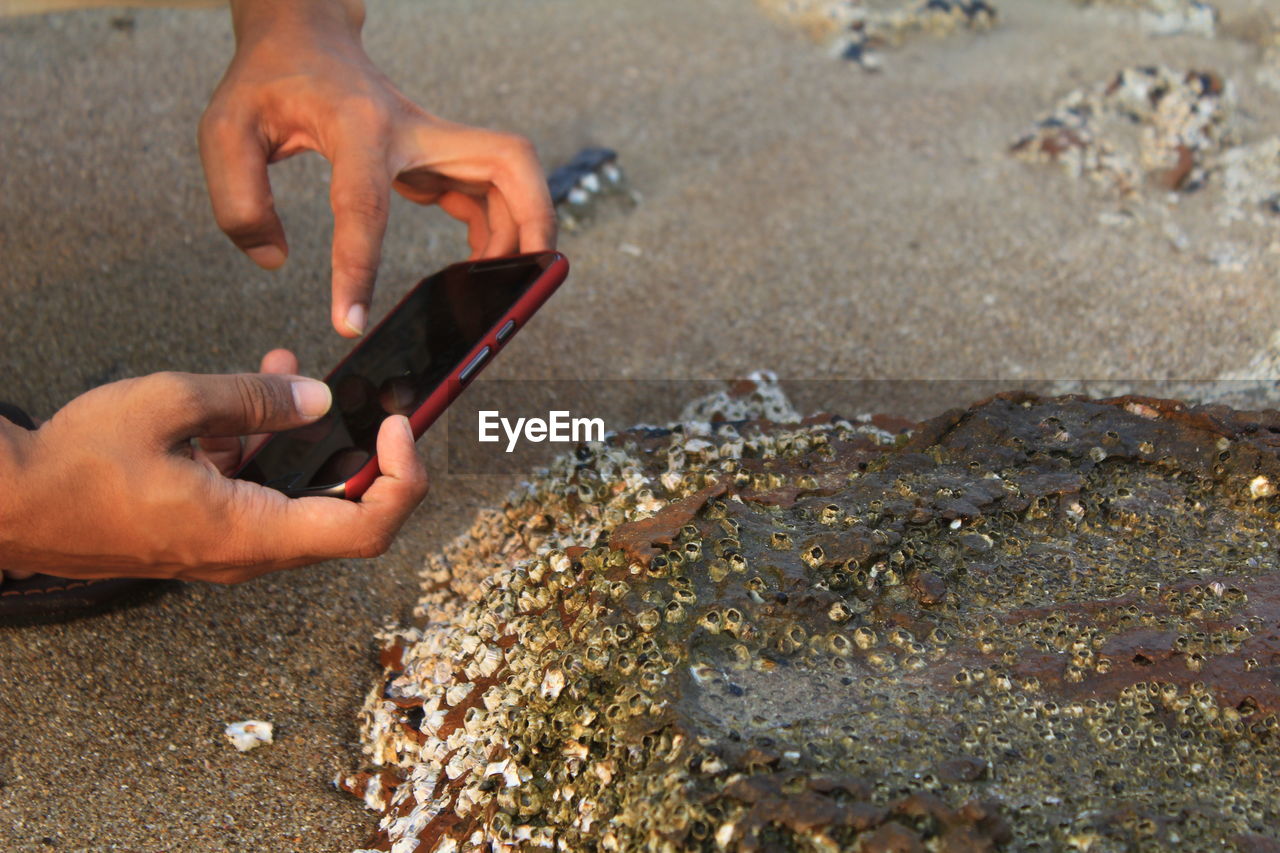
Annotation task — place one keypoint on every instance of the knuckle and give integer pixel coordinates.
(517, 163)
(245, 219)
(379, 123)
(253, 400)
(217, 125)
(359, 267)
(518, 148)
(172, 390)
(376, 544)
(364, 203)
(250, 539)
(420, 484)
(246, 228)
(260, 400)
(368, 115)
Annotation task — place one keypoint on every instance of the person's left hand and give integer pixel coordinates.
(300, 80)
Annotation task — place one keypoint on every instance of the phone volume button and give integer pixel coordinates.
(505, 332)
(474, 365)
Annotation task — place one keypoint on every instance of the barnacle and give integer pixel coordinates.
(1087, 660)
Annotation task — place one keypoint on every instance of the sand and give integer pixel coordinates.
(798, 214)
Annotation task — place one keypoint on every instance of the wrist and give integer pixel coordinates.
(254, 19)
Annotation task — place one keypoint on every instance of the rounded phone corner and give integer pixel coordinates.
(338, 490)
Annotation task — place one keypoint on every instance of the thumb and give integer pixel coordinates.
(191, 405)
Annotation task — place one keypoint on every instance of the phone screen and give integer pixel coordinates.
(394, 370)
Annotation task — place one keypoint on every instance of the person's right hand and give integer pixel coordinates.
(301, 81)
(110, 486)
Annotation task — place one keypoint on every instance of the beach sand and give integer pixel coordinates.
(798, 214)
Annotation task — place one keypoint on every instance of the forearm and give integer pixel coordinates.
(253, 18)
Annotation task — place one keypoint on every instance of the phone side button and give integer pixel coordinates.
(474, 365)
(505, 332)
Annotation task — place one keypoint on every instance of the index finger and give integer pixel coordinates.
(360, 196)
(523, 184)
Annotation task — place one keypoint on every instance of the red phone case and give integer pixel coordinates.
(434, 406)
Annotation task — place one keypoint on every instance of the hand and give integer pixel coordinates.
(300, 80)
(113, 487)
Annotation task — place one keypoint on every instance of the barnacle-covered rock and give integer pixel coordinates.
(1148, 122)
(1036, 623)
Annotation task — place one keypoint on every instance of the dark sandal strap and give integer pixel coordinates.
(17, 415)
(44, 599)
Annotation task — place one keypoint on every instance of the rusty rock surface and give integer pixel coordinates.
(1032, 624)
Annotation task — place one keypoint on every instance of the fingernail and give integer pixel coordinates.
(267, 257)
(357, 316)
(408, 428)
(311, 398)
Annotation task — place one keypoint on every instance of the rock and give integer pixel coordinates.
(804, 644)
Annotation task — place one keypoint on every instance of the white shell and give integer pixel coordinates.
(249, 734)
(1261, 487)
(552, 683)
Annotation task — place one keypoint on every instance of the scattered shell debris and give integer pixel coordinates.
(856, 30)
(578, 187)
(1269, 68)
(1153, 137)
(758, 397)
(1146, 125)
(1036, 623)
(1251, 183)
(249, 734)
(1169, 17)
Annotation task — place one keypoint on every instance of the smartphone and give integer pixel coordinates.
(415, 363)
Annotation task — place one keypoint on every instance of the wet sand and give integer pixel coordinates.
(798, 215)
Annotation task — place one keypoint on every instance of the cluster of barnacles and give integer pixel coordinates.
(1147, 122)
(685, 637)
